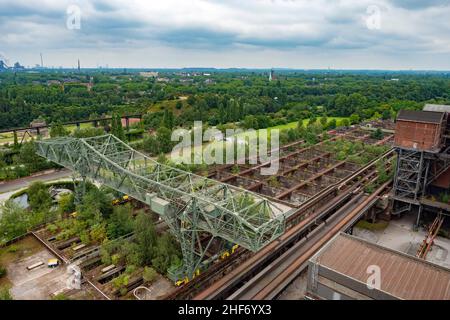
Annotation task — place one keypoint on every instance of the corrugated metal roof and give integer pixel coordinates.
(402, 276)
(436, 107)
(420, 116)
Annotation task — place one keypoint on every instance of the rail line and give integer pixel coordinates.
(227, 274)
(300, 232)
(276, 276)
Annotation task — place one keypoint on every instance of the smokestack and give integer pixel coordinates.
(42, 61)
(78, 65)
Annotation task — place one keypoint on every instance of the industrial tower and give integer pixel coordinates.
(422, 143)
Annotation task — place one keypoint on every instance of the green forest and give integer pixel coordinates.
(216, 97)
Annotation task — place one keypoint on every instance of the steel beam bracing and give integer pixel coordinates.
(415, 171)
(191, 205)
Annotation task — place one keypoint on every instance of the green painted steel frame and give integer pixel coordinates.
(196, 204)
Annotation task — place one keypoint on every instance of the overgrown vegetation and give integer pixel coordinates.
(218, 98)
(3, 271)
(124, 239)
(21, 161)
(5, 294)
(380, 225)
(16, 221)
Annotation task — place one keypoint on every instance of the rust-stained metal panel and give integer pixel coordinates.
(402, 276)
(443, 181)
(420, 136)
(421, 116)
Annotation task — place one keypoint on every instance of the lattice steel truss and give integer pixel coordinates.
(191, 205)
(412, 173)
(415, 171)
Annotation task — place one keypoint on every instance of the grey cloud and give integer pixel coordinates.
(419, 4)
(277, 25)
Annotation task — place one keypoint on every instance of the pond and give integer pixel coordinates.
(22, 200)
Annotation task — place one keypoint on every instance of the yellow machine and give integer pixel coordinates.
(73, 214)
(225, 255)
(234, 248)
(181, 282)
(52, 263)
(122, 200)
(196, 273)
(186, 280)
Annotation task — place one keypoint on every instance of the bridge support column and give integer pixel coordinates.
(419, 213)
(194, 243)
(79, 184)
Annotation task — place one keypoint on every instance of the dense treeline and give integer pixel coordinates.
(217, 98)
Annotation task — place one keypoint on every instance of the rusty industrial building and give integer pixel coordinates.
(422, 143)
(345, 267)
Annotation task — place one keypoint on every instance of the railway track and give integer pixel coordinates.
(300, 232)
(241, 266)
(268, 283)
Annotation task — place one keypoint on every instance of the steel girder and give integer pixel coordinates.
(191, 205)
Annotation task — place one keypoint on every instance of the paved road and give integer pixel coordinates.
(26, 181)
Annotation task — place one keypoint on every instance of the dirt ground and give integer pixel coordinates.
(157, 289)
(42, 282)
(399, 235)
(296, 290)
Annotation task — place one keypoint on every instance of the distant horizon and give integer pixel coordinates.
(38, 68)
(256, 34)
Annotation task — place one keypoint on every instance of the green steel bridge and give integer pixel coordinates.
(191, 205)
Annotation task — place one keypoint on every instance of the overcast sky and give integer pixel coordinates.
(352, 34)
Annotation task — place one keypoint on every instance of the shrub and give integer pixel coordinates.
(12, 248)
(39, 197)
(3, 271)
(60, 296)
(105, 256)
(14, 221)
(5, 294)
(52, 228)
(115, 258)
(149, 274)
(130, 269)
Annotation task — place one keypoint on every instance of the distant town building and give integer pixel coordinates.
(187, 80)
(131, 121)
(53, 82)
(149, 74)
(162, 79)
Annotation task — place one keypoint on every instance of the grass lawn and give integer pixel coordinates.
(170, 105)
(73, 127)
(214, 144)
(291, 125)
